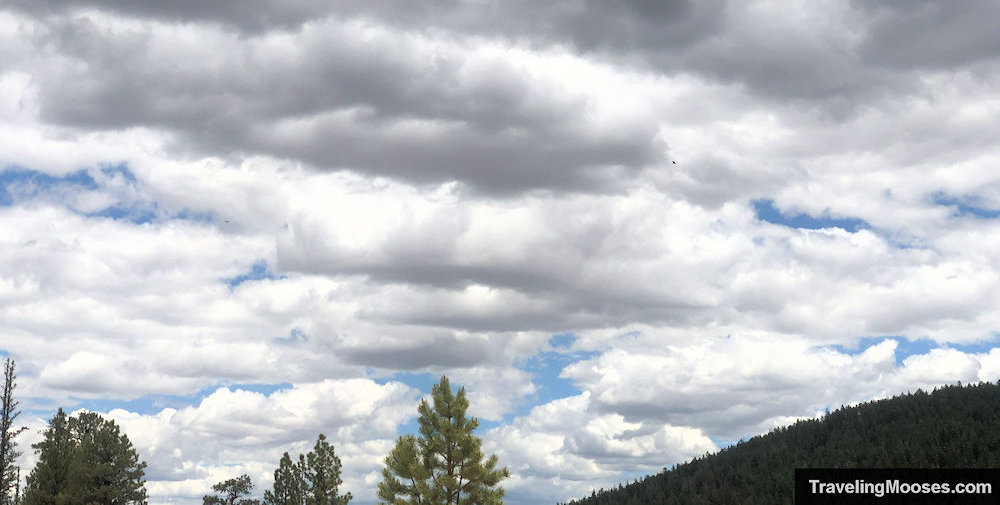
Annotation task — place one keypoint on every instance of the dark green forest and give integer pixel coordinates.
(950, 427)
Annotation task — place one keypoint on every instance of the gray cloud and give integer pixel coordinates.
(838, 55)
(928, 34)
(340, 96)
(427, 186)
(620, 24)
(249, 16)
(348, 91)
(443, 351)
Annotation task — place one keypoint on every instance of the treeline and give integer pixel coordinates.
(85, 459)
(82, 459)
(314, 479)
(951, 427)
(445, 465)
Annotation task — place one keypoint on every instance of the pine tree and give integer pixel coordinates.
(289, 484)
(314, 480)
(85, 459)
(48, 481)
(105, 468)
(445, 465)
(322, 472)
(406, 475)
(9, 472)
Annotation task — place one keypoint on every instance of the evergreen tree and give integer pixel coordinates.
(9, 472)
(406, 476)
(82, 460)
(445, 465)
(17, 488)
(230, 492)
(105, 468)
(314, 480)
(322, 473)
(952, 427)
(289, 484)
(48, 482)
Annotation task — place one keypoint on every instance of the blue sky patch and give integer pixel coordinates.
(411, 427)
(119, 170)
(726, 442)
(981, 347)
(154, 403)
(296, 336)
(40, 408)
(146, 405)
(906, 347)
(546, 367)
(19, 183)
(258, 272)
(766, 211)
(562, 340)
(133, 214)
(256, 387)
(422, 381)
(965, 206)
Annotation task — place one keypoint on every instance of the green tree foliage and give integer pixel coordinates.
(445, 465)
(82, 460)
(322, 475)
(952, 427)
(48, 482)
(406, 476)
(313, 480)
(231, 492)
(9, 472)
(289, 485)
(105, 469)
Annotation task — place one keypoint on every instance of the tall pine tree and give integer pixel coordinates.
(322, 473)
(85, 459)
(313, 480)
(48, 481)
(9, 472)
(105, 468)
(289, 484)
(445, 465)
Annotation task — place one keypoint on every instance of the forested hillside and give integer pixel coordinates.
(951, 427)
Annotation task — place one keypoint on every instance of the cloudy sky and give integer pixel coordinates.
(636, 231)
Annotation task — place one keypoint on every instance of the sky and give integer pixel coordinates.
(635, 231)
